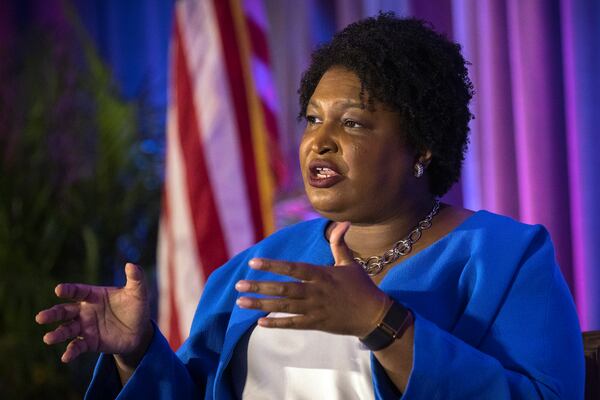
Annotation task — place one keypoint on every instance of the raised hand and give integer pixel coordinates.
(342, 300)
(102, 319)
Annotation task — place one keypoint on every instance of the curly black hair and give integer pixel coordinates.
(406, 65)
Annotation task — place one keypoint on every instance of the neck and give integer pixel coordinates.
(368, 240)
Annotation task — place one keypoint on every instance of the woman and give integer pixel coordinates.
(424, 300)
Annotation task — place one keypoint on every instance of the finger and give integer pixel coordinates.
(292, 290)
(74, 349)
(134, 275)
(272, 305)
(341, 253)
(73, 291)
(64, 332)
(59, 312)
(301, 271)
(295, 322)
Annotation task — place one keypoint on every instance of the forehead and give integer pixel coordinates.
(338, 82)
(343, 87)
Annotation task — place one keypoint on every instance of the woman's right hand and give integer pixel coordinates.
(102, 319)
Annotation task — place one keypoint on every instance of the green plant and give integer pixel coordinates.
(71, 187)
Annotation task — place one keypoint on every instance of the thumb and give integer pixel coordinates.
(341, 253)
(135, 276)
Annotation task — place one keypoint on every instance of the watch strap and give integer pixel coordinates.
(394, 324)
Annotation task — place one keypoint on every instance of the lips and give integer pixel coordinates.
(323, 173)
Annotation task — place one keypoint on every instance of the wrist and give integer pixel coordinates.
(384, 304)
(391, 327)
(130, 360)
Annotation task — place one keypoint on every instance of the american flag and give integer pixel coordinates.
(222, 162)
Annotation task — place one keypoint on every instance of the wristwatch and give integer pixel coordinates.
(394, 324)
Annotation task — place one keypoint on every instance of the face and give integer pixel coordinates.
(355, 163)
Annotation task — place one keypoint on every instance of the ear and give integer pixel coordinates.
(424, 157)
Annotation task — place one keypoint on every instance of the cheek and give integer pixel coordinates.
(303, 151)
(360, 152)
(379, 167)
(364, 159)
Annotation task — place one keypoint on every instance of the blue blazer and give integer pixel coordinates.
(494, 319)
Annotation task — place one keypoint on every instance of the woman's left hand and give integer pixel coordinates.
(341, 300)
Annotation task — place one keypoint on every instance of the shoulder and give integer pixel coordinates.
(502, 230)
(500, 245)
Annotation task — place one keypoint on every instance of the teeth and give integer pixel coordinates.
(324, 172)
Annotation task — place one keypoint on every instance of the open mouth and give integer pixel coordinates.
(323, 174)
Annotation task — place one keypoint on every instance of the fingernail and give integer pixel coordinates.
(242, 286)
(254, 263)
(243, 302)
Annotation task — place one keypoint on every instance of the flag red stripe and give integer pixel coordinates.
(209, 235)
(260, 50)
(260, 47)
(270, 122)
(235, 74)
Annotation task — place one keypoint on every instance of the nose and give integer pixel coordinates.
(324, 140)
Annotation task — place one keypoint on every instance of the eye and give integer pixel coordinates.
(312, 119)
(350, 123)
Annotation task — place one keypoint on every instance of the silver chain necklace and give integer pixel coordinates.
(375, 264)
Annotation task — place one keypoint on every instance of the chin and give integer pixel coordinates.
(331, 203)
(339, 209)
(329, 209)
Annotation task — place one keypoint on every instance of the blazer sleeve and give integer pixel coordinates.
(161, 374)
(532, 349)
(189, 373)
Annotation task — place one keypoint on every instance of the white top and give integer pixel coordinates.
(270, 363)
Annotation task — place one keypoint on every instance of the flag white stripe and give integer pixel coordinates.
(163, 281)
(217, 124)
(188, 276)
